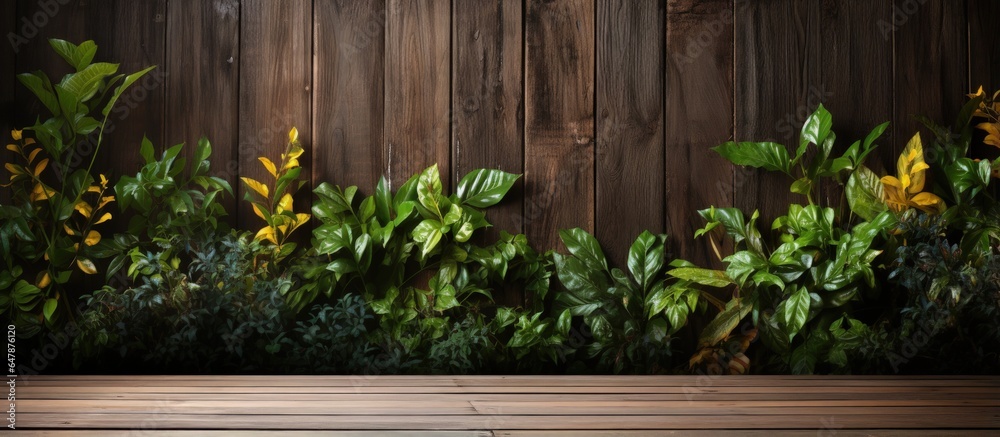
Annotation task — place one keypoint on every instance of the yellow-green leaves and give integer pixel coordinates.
(905, 190)
(989, 108)
(277, 208)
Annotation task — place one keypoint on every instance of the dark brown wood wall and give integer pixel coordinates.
(608, 107)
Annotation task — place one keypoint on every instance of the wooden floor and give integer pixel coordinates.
(506, 405)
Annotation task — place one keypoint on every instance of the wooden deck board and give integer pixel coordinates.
(513, 406)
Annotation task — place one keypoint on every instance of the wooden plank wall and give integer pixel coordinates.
(608, 107)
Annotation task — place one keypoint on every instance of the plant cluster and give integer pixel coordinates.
(897, 273)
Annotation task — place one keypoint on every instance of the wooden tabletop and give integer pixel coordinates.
(507, 405)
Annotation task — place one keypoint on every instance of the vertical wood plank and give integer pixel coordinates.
(699, 116)
(630, 177)
(8, 73)
(984, 64)
(857, 78)
(349, 99)
(559, 119)
(931, 64)
(417, 88)
(129, 33)
(349, 102)
(488, 87)
(984, 45)
(275, 90)
(778, 60)
(202, 71)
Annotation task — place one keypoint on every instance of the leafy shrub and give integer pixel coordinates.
(48, 233)
(223, 313)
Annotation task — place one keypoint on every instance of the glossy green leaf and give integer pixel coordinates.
(645, 258)
(766, 155)
(711, 278)
(485, 187)
(585, 247)
(865, 193)
(795, 311)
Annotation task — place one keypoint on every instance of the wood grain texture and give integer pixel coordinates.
(8, 10)
(505, 405)
(629, 147)
(417, 88)
(931, 65)
(699, 116)
(202, 67)
(487, 99)
(778, 84)
(139, 111)
(275, 91)
(857, 80)
(559, 119)
(984, 45)
(349, 101)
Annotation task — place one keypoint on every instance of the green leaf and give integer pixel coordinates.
(77, 56)
(129, 80)
(711, 278)
(815, 130)
(584, 291)
(646, 258)
(40, 86)
(85, 83)
(146, 151)
(428, 234)
(795, 311)
(865, 193)
(383, 201)
(484, 187)
(723, 324)
(585, 247)
(50, 308)
(429, 188)
(766, 155)
(743, 264)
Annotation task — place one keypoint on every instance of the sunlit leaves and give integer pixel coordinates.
(905, 191)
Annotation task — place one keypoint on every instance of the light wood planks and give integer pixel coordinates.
(506, 404)
(417, 88)
(203, 72)
(629, 146)
(349, 99)
(559, 119)
(275, 91)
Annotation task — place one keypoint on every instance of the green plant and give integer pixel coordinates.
(172, 207)
(48, 232)
(221, 313)
(820, 262)
(631, 316)
(277, 208)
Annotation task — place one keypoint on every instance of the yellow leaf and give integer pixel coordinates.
(271, 168)
(256, 210)
(13, 168)
(94, 189)
(84, 209)
(301, 218)
(41, 192)
(105, 200)
(32, 155)
(291, 163)
(912, 158)
(41, 166)
(69, 231)
(16, 134)
(104, 180)
(44, 280)
(257, 186)
(928, 202)
(977, 93)
(86, 266)
(295, 152)
(891, 181)
(93, 237)
(285, 204)
(13, 148)
(293, 135)
(29, 141)
(104, 218)
(265, 233)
